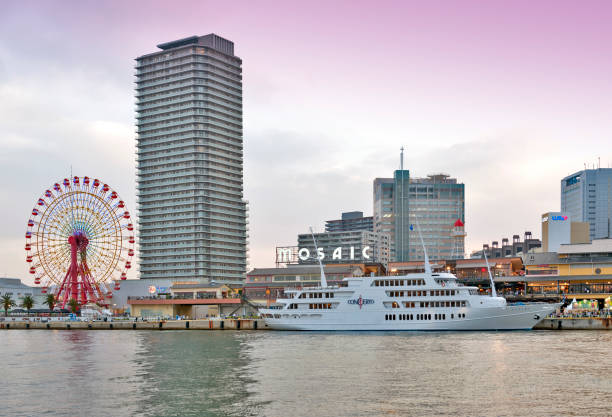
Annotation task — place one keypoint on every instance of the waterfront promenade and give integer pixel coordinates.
(551, 323)
(217, 324)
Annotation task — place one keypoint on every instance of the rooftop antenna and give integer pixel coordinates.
(493, 292)
(323, 280)
(427, 264)
(402, 158)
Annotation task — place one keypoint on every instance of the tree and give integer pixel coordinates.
(27, 303)
(50, 300)
(7, 302)
(74, 305)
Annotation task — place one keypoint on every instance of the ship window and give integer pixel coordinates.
(452, 316)
(443, 316)
(386, 317)
(395, 305)
(429, 317)
(463, 304)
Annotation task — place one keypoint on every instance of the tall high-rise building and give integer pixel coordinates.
(383, 211)
(435, 203)
(587, 197)
(192, 216)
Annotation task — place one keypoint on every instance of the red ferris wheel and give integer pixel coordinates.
(80, 241)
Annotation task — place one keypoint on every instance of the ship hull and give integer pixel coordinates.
(509, 317)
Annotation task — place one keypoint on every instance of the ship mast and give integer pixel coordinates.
(323, 280)
(493, 291)
(426, 258)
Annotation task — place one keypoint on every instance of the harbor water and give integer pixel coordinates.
(233, 373)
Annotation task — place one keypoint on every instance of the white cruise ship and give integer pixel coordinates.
(425, 301)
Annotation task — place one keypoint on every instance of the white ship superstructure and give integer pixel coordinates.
(425, 301)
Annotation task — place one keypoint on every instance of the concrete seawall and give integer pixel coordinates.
(227, 324)
(586, 323)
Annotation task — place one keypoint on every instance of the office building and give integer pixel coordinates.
(587, 197)
(192, 216)
(352, 220)
(435, 203)
(383, 218)
(559, 229)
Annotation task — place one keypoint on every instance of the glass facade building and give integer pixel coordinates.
(434, 203)
(587, 196)
(192, 215)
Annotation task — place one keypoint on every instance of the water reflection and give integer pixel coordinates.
(227, 373)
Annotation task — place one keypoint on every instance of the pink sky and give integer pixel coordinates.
(506, 96)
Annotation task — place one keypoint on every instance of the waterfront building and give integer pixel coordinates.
(507, 248)
(587, 197)
(558, 228)
(192, 216)
(139, 288)
(581, 271)
(350, 221)
(471, 270)
(344, 247)
(17, 290)
(191, 299)
(264, 285)
(434, 203)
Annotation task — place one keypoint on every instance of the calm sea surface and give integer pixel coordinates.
(210, 373)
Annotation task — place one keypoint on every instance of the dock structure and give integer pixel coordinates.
(575, 323)
(225, 324)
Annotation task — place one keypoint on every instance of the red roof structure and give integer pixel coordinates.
(459, 223)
